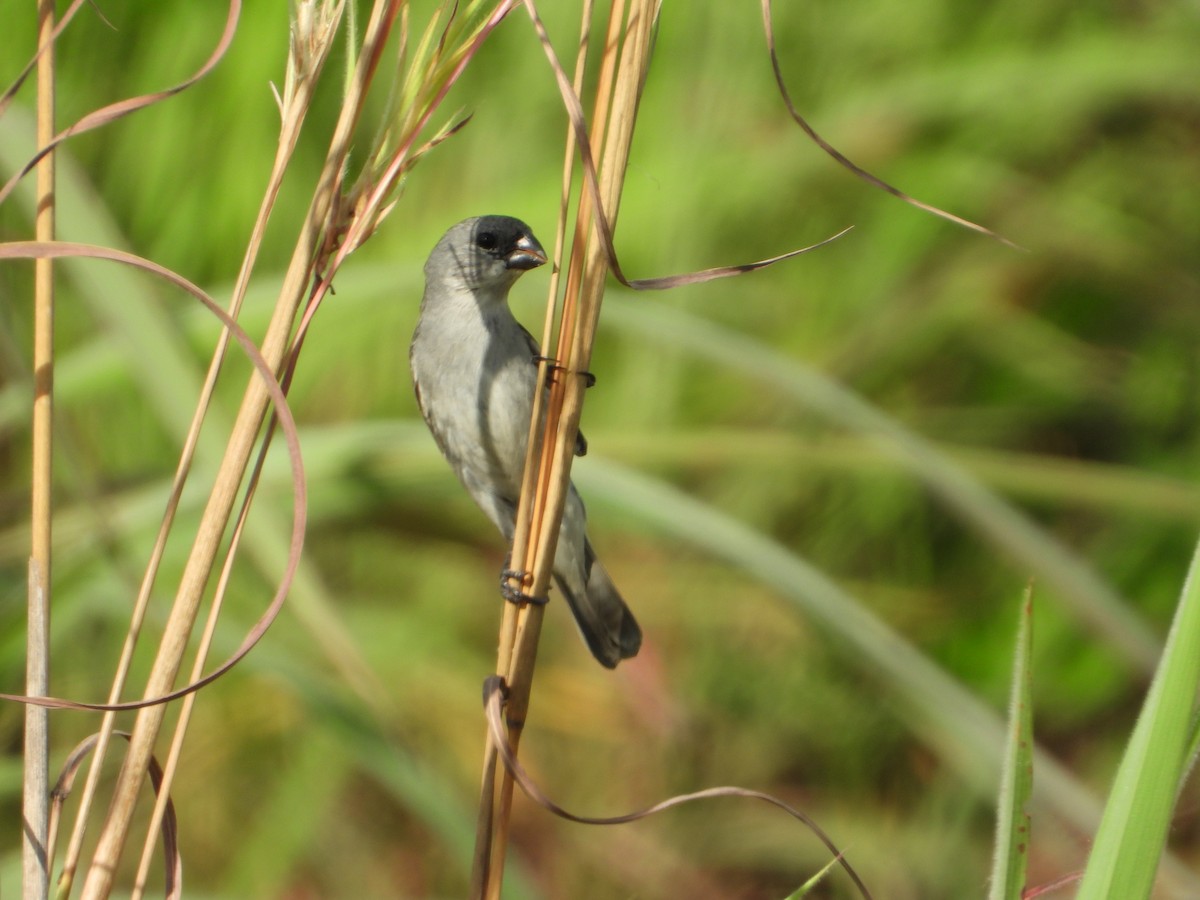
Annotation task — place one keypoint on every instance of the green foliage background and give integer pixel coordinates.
(341, 759)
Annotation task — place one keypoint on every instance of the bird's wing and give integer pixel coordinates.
(535, 353)
(438, 437)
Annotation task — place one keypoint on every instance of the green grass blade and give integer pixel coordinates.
(1075, 582)
(940, 710)
(805, 889)
(943, 712)
(1133, 831)
(1016, 784)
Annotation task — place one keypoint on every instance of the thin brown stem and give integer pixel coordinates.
(553, 432)
(293, 111)
(36, 805)
(216, 513)
(492, 827)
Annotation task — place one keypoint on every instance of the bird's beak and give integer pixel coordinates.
(526, 254)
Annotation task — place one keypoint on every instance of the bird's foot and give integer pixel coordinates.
(589, 380)
(515, 594)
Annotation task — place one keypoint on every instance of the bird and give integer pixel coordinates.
(474, 369)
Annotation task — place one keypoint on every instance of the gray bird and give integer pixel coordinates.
(474, 370)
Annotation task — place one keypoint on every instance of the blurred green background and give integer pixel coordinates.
(822, 487)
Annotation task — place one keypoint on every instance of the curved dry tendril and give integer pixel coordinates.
(842, 160)
(603, 227)
(494, 692)
(113, 111)
(7, 98)
(1040, 890)
(173, 885)
(57, 250)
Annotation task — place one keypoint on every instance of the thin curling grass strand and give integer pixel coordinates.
(7, 97)
(842, 160)
(493, 701)
(169, 827)
(113, 111)
(34, 249)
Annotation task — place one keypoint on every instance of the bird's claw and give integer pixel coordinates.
(515, 594)
(589, 380)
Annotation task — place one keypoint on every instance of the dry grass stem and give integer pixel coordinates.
(491, 815)
(36, 800)
(625, 56)
(38, 840)
(114, 111)
(311, 40)
(215, 517)
(338, 221)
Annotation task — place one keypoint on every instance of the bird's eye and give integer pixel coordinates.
(486, 240)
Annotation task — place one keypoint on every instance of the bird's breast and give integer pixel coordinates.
(476, 380)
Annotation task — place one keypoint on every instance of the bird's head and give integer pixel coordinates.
(485, 253)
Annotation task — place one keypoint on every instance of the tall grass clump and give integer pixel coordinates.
(820, 486)
(338, 220)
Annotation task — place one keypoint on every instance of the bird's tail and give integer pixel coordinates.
(607, 625)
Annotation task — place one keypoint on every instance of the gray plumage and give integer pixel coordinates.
(473, 369)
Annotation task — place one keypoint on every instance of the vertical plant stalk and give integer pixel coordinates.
(98, 883)
(36, 802)
(215, 517)
(523, 627)
(312, 38)
(540, 513)
(1010, 856)
(307, 58)
(187, 705)
(488, 813)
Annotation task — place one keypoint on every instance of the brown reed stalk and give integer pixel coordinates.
(524, 626)
(36, 799)
(99, 881)
(626, 51)
(489, 815)
(311, 41)
(339, 220)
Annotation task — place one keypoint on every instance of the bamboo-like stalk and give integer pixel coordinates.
(173, 645)
(307, 59)
(186, 706)
(338, 222)
(489, 814)
(516, 663)
(311, 42)
(36, 800)
(617, 93)
(178, 629)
